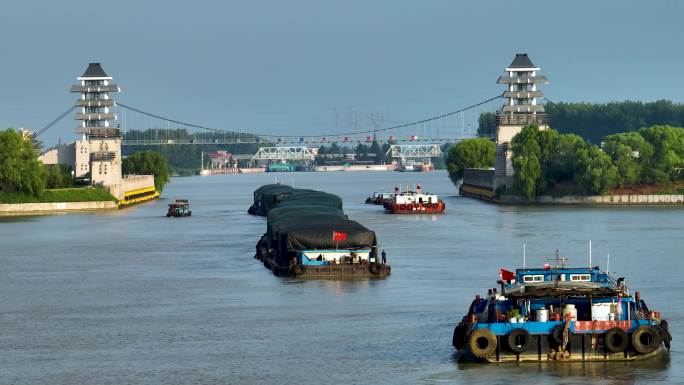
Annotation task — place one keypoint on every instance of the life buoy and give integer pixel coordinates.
(646, 339)
(665, 333)
(616, 340)
(518, 340)
(460, 335)
(482, 343)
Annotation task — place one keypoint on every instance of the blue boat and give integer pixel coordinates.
(557, 313)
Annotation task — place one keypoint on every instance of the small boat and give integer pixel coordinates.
(414, 202)
(379, 198)
(556, 313)
(179, 208)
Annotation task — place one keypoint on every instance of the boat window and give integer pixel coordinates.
(533, 278)
(580, 277)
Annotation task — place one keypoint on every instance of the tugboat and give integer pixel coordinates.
(556, 313)
(179, 208)
(379, 198)
(414, 202)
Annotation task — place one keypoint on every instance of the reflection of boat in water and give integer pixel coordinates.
(308, 235)
(557, 313)
(179, 208)
(414, 202)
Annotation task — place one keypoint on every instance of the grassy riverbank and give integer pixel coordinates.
(83, 194)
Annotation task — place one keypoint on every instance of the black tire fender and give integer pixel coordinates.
(482, 343)
(646, 339)
(518, 340)
(460, 336)
(616, 340)
(665, 333)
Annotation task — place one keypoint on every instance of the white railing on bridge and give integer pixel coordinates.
(414, 151)
(284, 153)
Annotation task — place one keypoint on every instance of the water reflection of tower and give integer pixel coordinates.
(521, 108)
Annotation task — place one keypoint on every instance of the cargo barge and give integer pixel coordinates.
(557, 313)
(309, 236)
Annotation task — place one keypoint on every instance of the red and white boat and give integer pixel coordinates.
(414, 202)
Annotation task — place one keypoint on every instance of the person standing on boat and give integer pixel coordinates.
(384, 257)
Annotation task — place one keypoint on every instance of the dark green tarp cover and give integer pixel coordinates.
(315, 234)
(284, 216)
(271, 195)
(268, 196)
(302, 219)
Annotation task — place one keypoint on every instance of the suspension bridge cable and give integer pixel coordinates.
(172, 120)
(60, 117)
(329, 134)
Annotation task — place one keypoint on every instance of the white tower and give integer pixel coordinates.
(521, 108)
(99, 151)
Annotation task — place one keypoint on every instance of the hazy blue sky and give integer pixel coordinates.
(281, 66)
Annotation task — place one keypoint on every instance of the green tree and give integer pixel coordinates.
(668, 153)
(379, 156)
(594, 121)
(599, 175)
(469, 153)
(631, 154)
(58, 176)
(527, 162)
(361, 152)
(20, 169)
(145, 163)
(561, 164)
(486, 125)
(334, 148)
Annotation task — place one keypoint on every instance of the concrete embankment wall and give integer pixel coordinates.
(136, 182)
(596, 200)
(29, 208)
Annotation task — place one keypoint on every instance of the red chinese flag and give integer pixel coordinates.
(506, 275)
(339, 236)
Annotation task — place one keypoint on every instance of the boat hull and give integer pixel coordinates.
(336, 271)
(410, 209)
(539, 354)
(584, 347)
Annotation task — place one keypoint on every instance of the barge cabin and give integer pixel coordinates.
(560, 314)
(179, 208)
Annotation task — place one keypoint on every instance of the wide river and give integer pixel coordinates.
(133, 297)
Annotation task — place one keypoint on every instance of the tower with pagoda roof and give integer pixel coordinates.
(522, 107)
(98, 153)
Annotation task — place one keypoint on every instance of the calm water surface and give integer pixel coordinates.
(131, 297)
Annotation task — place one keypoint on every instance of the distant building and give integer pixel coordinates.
(99, 150)
(96, 157)
(521, 108)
